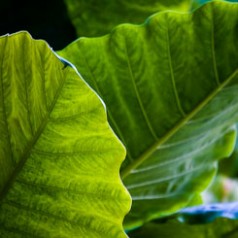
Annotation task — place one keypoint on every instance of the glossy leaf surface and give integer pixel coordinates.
(59, 159)
(170, 87)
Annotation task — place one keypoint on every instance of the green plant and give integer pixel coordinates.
(169, 86)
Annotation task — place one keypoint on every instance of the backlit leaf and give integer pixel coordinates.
(59, 160)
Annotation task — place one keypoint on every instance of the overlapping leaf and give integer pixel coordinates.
(92, 18)
(59, 160)
(170, 87)
(223, 228)
(197, 3)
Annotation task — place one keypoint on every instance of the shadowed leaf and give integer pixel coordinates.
(95, 19)
(222, 228)
(170, 87)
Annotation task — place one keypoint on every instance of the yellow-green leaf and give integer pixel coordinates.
(59, 159)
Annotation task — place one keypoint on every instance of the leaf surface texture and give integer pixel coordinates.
(59, 159)
(95, 19)
(170, 87)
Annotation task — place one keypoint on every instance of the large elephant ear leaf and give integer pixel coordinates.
(170, 87)
(90, 19)
(59, 159)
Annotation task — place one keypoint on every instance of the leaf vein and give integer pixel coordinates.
(113, 121)
(56, 217)
(164, 179)
(149, 125)
(27, 151)
(177, 127)
(4, 109)
(17, 231)
(213, 52)
(172, 77)
(27, 94)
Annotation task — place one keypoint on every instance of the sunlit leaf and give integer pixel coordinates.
(59, 160)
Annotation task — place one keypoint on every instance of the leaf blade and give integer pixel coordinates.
(89, 20)
(173, 58)
(66, 157)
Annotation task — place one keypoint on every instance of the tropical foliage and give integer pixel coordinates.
(169, 88)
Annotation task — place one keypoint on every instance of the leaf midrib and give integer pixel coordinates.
(144, 156)
(31, 144)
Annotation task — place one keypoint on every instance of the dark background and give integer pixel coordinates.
(46, 20)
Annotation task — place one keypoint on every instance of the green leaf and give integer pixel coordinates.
(90, 19)
(59, 159)
(229, 166)
(223, 228)
(198, 3)
(170, 87)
